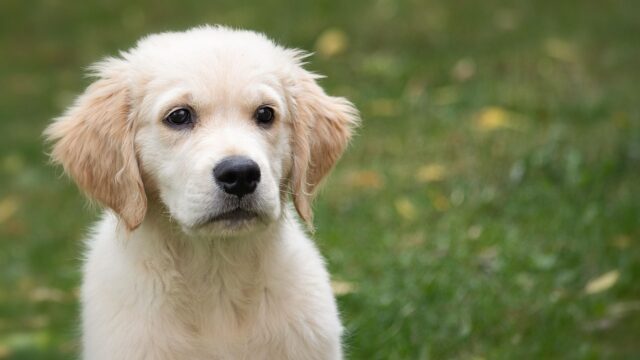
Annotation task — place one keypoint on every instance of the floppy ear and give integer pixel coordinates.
(93, 140)
(322, 127)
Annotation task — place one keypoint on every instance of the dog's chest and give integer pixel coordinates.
(228, 310)
(163, 304)
(235, 322)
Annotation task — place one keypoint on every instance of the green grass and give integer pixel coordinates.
(528, 112)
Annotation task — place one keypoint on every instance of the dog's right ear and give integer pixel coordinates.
(94, 142)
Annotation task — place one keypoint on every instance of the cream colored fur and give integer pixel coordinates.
(159, 281)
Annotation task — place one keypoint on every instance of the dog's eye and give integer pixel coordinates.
(179, 118)
(264, 115)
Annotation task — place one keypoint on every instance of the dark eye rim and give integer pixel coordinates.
(187, 124)
(271, 119)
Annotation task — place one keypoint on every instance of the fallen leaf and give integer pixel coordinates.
(405, 208)
(342, 287)
(561, 50)
(8, 207)
(365, 179)
(42, 294)
(439, 201)
(464, 69)
(602, 282)
(5, 352)
(494, 118)
(431, 173)
(331, 42)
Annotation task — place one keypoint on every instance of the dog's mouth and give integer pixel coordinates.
(231, 217)
(237, 214)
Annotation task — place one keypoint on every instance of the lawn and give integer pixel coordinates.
(489, 207)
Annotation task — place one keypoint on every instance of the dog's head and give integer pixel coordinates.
(215, 125)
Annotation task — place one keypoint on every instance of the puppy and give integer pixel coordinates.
(202, 145)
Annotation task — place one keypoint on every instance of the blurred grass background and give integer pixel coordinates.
(488, 209)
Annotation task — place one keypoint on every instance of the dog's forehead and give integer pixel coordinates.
(209, 52)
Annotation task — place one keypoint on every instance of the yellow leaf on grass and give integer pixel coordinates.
(5, 352)
(45, 294)
(431, 173)
(492, 118)
(561, 50)
(602, 282)
(8, 207)
(365, 179)
(331, 42)
(405, 208)
(439, 201)
(342, 287)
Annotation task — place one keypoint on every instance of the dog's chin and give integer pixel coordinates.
(236, 222)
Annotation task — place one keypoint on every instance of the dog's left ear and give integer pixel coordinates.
(322, 127)
(94, 142)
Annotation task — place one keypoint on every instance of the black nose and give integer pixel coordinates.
(237, 175)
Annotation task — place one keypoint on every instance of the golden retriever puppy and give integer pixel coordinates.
(198, 143)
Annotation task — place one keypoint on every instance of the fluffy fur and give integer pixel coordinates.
(162, 281)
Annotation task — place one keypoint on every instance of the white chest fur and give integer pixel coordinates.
(151, 294)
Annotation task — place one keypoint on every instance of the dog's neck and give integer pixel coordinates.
(215, 273)
(160, 244)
